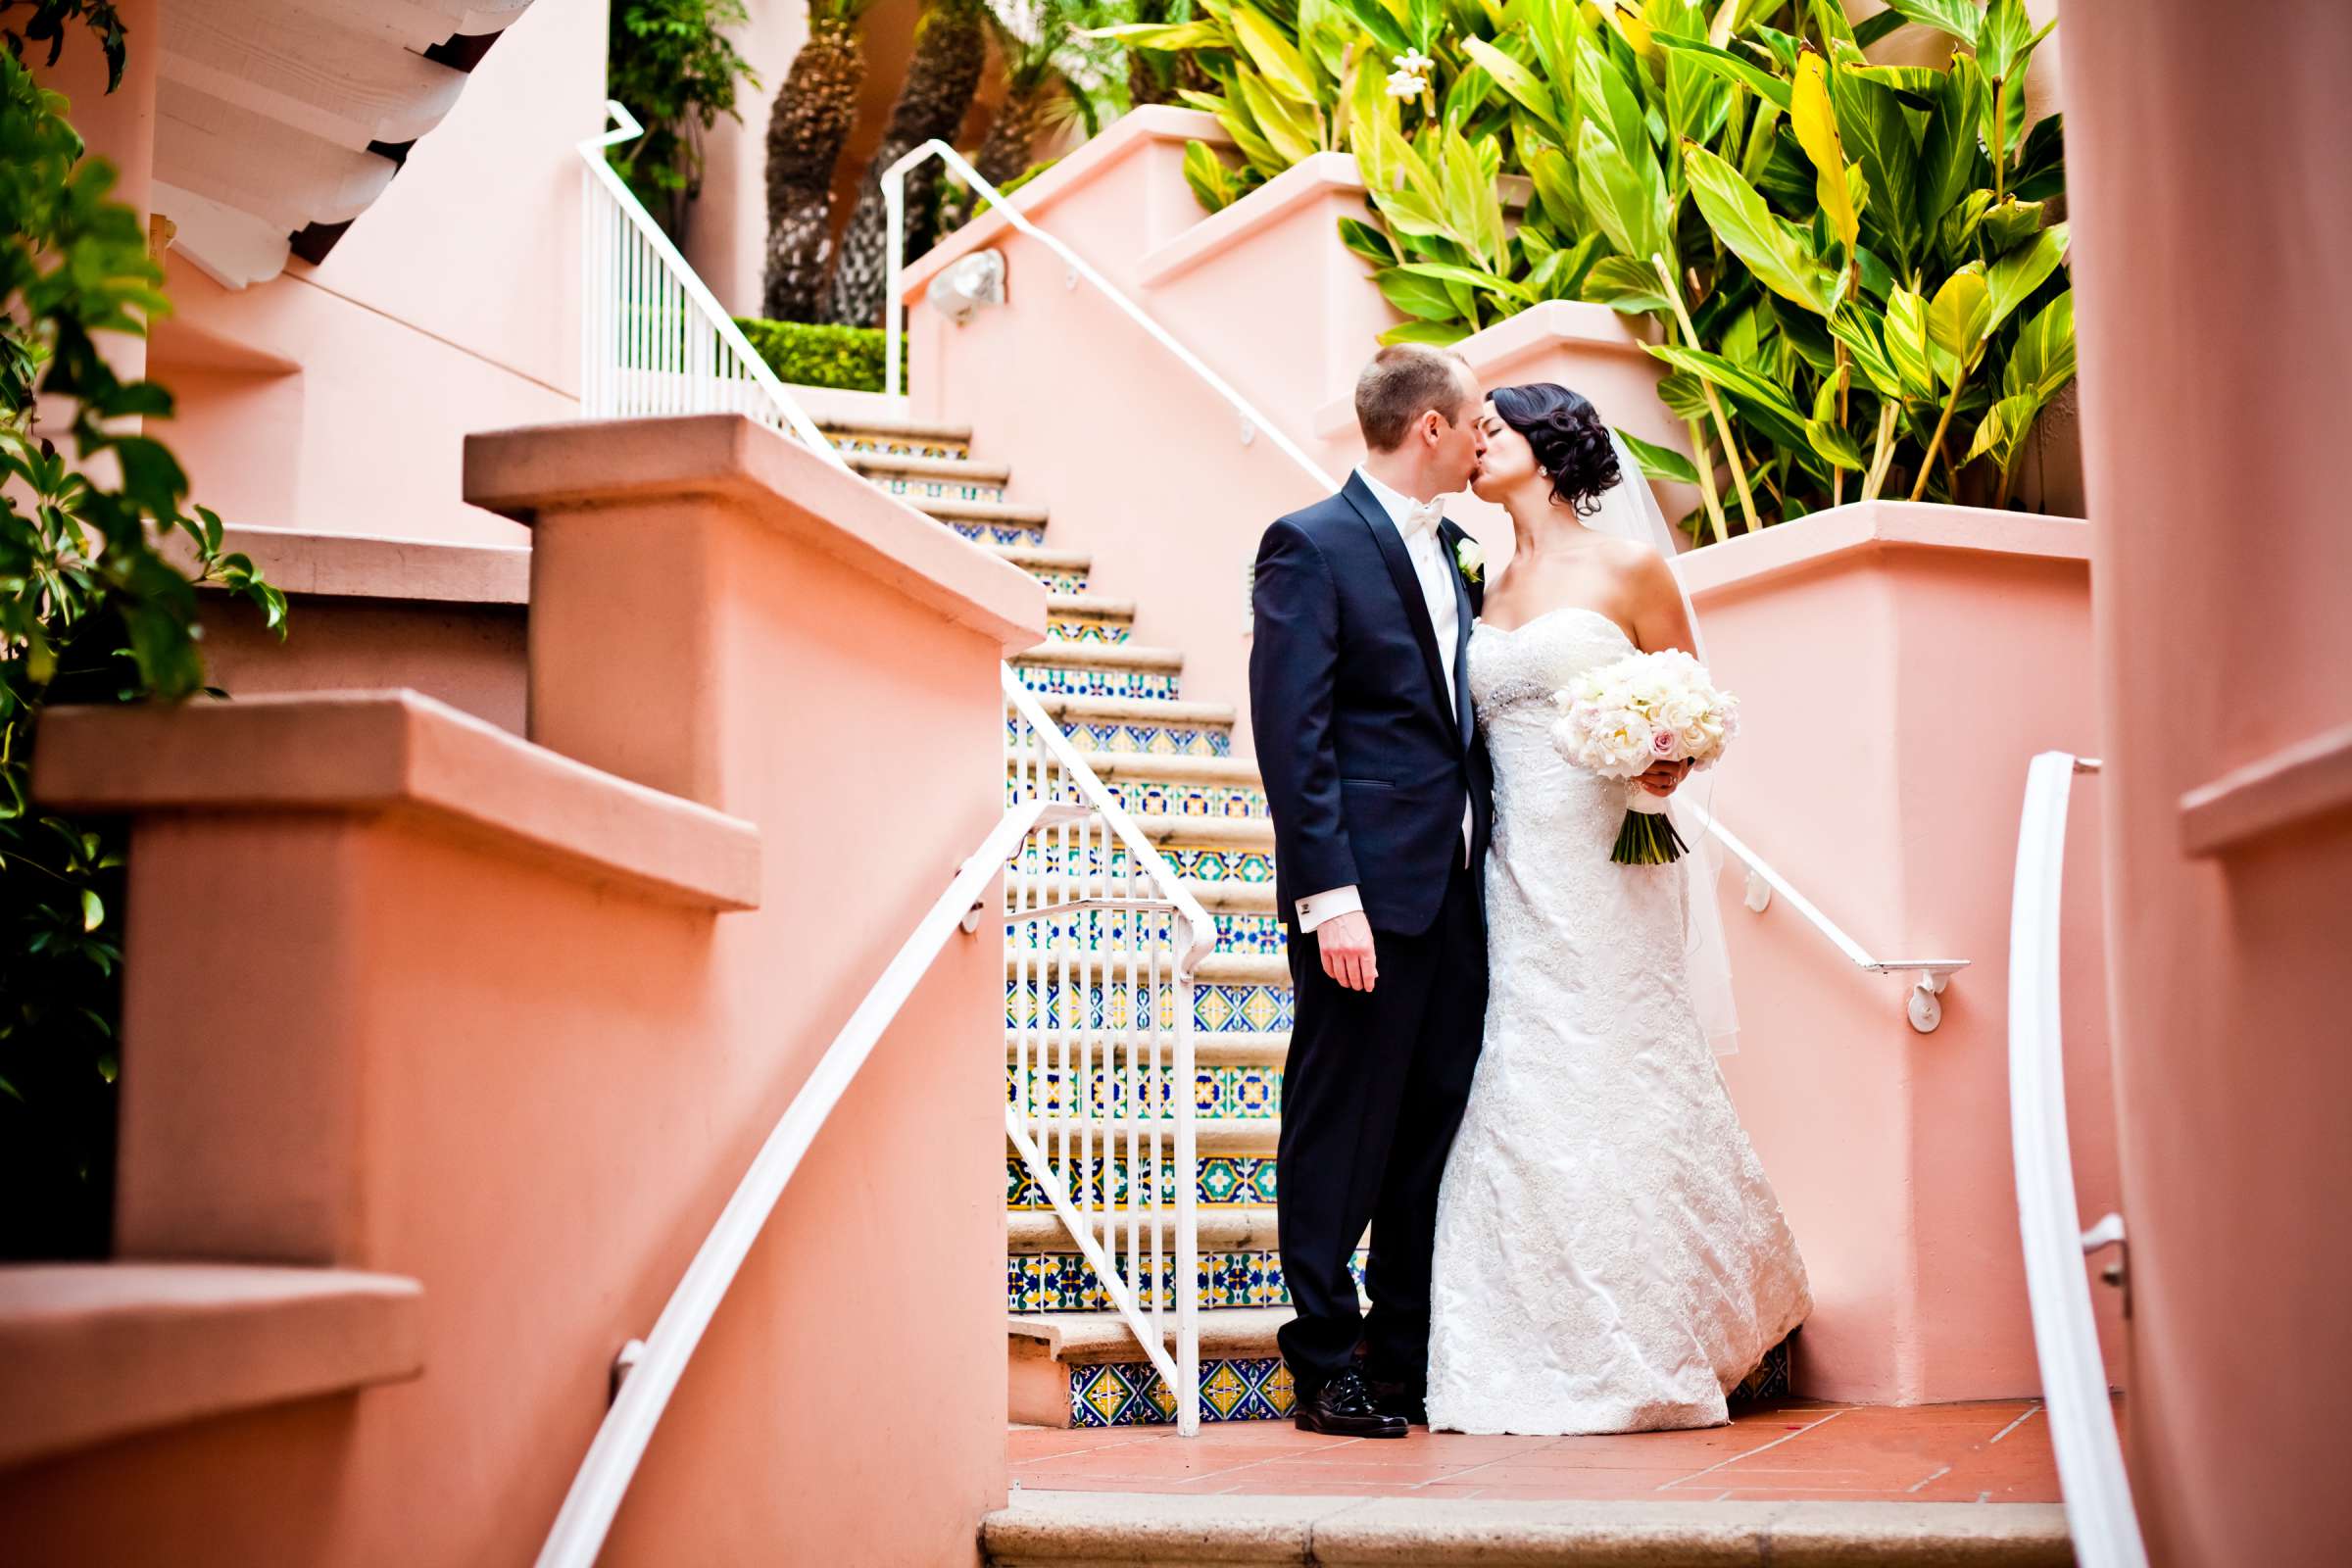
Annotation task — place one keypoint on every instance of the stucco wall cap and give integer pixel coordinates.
(346, 565)
(402, 753)
(99, 1351)
(1867, 527)
(538, 471)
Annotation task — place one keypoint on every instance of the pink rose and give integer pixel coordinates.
(1663, 743)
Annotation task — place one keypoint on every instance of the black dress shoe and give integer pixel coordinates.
(1406, 1399)
(1344, 1408)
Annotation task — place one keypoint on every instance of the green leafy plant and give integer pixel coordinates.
(97, 603)
(671, 64)
(849, 359)
(1852, 270)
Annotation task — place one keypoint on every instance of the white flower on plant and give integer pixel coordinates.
(1410, 78)
(1413, 62)
(1471, 559)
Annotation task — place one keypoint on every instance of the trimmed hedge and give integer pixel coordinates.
(848, 358)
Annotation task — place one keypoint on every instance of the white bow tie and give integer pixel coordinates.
(1420, 517)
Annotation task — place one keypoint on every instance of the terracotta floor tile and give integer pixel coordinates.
(1570, 1483)
(1396, 1477)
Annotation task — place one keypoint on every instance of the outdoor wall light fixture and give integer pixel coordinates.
(966, 285)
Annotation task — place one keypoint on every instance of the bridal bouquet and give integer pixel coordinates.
(1621, 719)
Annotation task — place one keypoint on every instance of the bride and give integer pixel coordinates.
(1609, 1256)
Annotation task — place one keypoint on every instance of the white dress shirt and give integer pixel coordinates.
(1417, 521)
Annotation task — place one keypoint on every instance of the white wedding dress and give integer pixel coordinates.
(1609, 1257)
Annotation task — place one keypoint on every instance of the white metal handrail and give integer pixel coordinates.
(2066, 1333)
(1923, 1006)
(893, 196)
(1090, 919)
(648, 1373)
(654, 339)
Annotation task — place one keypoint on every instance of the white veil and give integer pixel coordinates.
(1628, 510)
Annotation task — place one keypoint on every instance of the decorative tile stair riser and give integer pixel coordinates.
(1227, 1094)
(1076, 626)
(1061, 1281)
(1216, 1008)
(1170, 797)
(1057, 681)
(918, 488)
(1220, 1181)
(1058, 579)
(1253, 1388)
(1260, 935)
(996, 533)
(1205, 862)
(884, 443)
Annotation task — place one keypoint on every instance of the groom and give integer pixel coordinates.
(1380, 795)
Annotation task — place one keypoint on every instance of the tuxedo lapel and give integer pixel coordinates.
(1400, 561)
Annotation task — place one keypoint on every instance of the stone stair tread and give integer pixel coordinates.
(1256, 832)
(898, 426)
(1089, 605)
(1011, 511)
(1093, 1337)
(1241, 771)
(1154, 710)
(1067, 654)
(1076, 1528)
(1041, 1230)
(908, 462)
(1049, 560)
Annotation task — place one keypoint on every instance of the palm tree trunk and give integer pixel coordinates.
(949, 50)
(1012, 135)
(813, 113)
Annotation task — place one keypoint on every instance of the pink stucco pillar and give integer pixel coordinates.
(2212, 205)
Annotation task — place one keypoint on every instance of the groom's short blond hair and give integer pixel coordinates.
(1405, 382)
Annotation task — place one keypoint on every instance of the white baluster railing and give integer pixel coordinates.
(1923, 1006)
(2066, 1333)
(1105, 940)
(654, 339)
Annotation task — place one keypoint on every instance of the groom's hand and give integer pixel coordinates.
(1662, 777)
(1345, 941)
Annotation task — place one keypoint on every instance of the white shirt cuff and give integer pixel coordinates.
(1322, 907)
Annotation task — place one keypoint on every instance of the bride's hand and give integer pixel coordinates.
(1662, 777)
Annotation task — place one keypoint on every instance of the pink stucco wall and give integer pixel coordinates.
(2212, 209)
(458, 1050)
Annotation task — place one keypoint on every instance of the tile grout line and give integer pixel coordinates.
(1937, 1476)
(2014, 1425)
(1752, 1452)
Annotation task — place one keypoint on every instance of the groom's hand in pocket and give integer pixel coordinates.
(1346, 942)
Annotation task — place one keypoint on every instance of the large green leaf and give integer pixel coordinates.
(1626, 198)
(1472, 195)
(1835, 445)
(1760, 399)
(1877, 127)
(1276, 57)
(1698, 101)
(1732, 68)
(1685, 395)
(1283, 125)
(1524, 86)
(1609, 96)
(2007, 39)
(1470, 278)
(1415, 294)
(1958, 319)
(1774, 249)
(1657, 462)
(1815, 123)
(1436, 334)
(1376, 19)
(2010, 224)
(1624, 284)
(2003, 428)
(1368, 242)
(1197, 33)
(1908, 347)
(1555, 188)
(1857, 327)
(2014, 277)
(2044, 359)
(1959, 17)
(1212, 181)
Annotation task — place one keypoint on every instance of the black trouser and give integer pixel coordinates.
(1371, 1096)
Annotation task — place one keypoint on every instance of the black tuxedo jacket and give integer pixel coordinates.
(1366, 764)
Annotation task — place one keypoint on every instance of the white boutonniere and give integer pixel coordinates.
(1471, 560)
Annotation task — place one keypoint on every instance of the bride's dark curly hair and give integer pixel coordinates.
(1570, 442)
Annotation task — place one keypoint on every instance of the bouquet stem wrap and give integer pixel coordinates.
(1649, 836)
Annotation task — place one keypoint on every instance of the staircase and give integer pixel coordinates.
(1170, 763)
